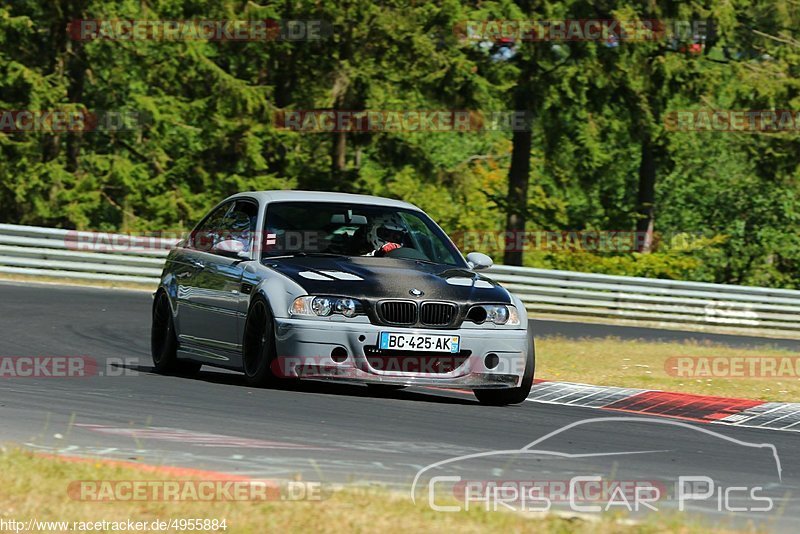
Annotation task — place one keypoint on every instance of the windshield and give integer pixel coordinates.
(294, 228)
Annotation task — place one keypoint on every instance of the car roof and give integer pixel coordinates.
(323, 196)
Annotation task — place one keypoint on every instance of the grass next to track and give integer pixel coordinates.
(38, 487)
(765, 373)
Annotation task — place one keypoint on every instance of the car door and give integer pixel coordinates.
(210, 300)
(227, 274)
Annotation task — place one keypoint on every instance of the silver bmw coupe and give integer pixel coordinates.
(286, 285)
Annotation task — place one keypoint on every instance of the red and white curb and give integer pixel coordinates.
(697, 408)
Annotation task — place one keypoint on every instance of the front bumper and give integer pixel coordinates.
(345, 351)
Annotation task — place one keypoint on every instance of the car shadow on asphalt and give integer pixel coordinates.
(231, 378)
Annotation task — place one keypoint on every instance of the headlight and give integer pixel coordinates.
(321, 306)
(494, 313)
(325, 306)
(347, 307)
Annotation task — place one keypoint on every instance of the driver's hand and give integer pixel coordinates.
(388, 247)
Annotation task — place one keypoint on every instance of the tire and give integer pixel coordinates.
(164, 341)
(258, 350)
(503, 397)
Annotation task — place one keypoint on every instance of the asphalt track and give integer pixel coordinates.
(340, 433)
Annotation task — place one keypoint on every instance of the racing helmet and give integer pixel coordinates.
(386, 228)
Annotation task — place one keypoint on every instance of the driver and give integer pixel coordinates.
(387, 233)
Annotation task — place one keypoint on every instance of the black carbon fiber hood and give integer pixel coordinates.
(374, 279)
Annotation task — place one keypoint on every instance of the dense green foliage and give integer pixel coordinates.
(599, 109)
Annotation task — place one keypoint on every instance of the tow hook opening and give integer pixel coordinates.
(339, 354)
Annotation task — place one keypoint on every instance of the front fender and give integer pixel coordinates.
(278, 290)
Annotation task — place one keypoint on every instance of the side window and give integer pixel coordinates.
(210, 231)
(240, 223)
(234, 220)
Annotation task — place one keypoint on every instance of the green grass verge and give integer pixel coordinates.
(640, 364)
(37, 487)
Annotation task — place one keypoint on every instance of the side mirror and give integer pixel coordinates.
(478, 261)
(231, 248)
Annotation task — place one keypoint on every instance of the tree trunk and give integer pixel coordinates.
(75, 65)
(645, 206)
(342, 100)
(520, 171)
(339, 153)
(76, 72)
(518, 179)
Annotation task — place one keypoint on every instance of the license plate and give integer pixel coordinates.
(419, 342)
